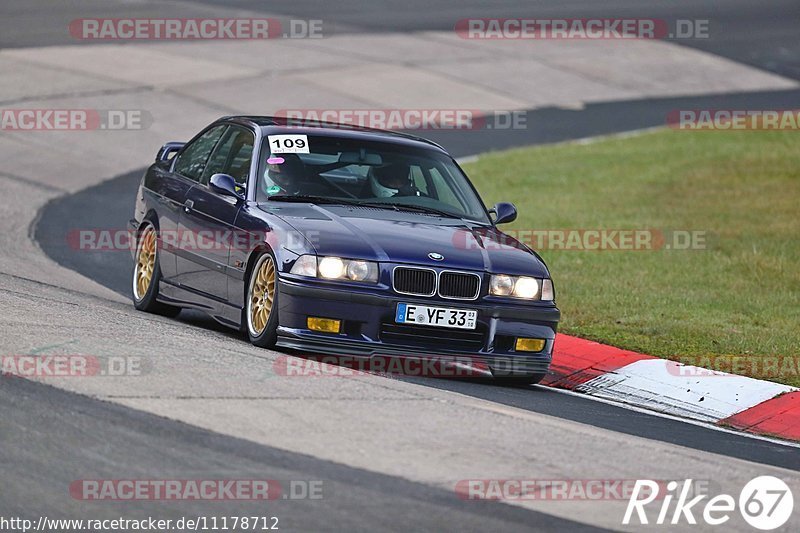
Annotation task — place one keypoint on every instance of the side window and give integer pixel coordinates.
(192, 160)
(232, 155)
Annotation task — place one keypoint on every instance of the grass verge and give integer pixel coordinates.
(733, 304)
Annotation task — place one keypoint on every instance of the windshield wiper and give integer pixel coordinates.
(310, 199)
(405, 207)
(424, 209)
(382, 205)
(325, 200)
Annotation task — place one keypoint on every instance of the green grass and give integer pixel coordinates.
(740, 296)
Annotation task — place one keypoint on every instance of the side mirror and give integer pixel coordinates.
(504, 212)
(168, 150)
(225, 185)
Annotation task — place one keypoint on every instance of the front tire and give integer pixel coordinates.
(147, 274)
(261, 303)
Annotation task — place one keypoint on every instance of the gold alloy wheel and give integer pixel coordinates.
(262, 294)
(145, 263)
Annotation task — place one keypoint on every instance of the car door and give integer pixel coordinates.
(210, 216)
(183, 173)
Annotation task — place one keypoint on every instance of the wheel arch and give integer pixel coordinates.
(149, 217)
(251, 262)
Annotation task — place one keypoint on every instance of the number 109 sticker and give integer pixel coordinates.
(288, 144)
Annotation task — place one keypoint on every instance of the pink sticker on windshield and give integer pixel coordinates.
(275, 160)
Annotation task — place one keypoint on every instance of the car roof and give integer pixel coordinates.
(282, 125)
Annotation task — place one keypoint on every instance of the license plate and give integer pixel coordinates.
(442, 317)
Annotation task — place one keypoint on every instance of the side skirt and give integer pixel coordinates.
(223, 312)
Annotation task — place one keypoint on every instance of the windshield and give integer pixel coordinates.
(351, 171)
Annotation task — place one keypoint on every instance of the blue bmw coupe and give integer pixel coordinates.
(332, 239)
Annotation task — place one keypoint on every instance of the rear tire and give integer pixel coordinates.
(147, 274)
(261, 302)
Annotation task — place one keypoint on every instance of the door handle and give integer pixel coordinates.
(188, 205)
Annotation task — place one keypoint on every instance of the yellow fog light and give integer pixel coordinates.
(326, 325)
(529, 345)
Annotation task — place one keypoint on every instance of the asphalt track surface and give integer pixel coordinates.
(761, 34)
(758, 34)
(150, 447)
(59, 436)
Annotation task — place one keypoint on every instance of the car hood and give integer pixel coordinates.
(407, 237)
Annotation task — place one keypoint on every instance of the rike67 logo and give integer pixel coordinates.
(765, 502)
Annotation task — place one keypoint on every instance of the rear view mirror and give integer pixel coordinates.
(361, 158)
(168, 150)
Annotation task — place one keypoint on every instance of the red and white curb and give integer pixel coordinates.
(729, 400)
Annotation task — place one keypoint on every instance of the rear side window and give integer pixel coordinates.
(192, 160)
(232, 155)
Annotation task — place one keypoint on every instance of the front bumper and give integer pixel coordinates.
(369, 331)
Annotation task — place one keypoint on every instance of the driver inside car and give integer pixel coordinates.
(287, 172)
(292, 177)
(393, 179)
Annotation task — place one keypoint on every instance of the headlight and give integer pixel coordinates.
(306, 265)
(358, 270)
(548, 293)
(336, 268)
(501, 285)
(521, 287)
(331, 267)
(527, 288)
